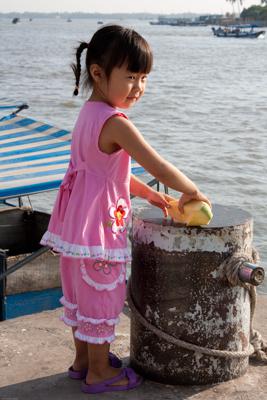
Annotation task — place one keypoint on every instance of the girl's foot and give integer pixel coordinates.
(109, 373)
(79, 369)
(80, 364)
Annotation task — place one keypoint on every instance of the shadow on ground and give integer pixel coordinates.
(59, 386)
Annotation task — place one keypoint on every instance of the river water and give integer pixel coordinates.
(204, 109)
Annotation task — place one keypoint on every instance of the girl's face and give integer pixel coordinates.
(123, 88)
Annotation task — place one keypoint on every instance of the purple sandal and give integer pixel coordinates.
(77, 374)
(107, 385)
(114, 361)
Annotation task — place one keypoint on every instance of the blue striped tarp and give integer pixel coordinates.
(34, 157)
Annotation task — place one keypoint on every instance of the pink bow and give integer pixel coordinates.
(65, 190)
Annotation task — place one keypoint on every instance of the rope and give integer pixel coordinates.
(231, 266)
(256, 347)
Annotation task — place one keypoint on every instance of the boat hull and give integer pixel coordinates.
(239, 35)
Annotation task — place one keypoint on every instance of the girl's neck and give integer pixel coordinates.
(97, 95)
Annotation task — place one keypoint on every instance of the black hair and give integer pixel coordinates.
(112, 46)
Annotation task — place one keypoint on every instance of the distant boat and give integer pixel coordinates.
(238, 31)
(164, 21)
(100, 22)
(175, 21)
(69, 20)
(15, 20)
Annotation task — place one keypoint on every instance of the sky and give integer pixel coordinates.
(109, 6)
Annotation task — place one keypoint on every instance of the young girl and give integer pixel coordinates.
(92, 210)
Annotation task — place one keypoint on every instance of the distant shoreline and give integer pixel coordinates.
(28, 14)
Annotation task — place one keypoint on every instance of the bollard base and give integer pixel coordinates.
(179, 286)
(148, 357)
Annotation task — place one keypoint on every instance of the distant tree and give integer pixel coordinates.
(238, 2)
(256, 13)
(241, 2)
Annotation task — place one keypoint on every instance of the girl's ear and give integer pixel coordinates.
(96, 72)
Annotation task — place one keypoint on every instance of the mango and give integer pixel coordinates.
(196, 213)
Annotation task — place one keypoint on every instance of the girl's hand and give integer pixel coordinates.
(185, 198)
(160, 200)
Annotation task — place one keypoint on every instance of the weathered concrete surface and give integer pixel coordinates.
(36, 350)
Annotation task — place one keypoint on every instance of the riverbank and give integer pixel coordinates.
(36, 350)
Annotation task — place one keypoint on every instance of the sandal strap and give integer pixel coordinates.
(116, 379)
(114, 360)
(131, 375)
(107, 385)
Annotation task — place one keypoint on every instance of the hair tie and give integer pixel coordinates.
(76, 90)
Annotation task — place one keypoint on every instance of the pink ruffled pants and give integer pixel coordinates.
(94, 292)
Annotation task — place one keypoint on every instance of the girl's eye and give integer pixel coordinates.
(144, 78)
(132, 77)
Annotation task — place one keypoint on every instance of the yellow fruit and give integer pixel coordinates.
(196, 213)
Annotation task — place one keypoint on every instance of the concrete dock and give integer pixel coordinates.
(36, 351)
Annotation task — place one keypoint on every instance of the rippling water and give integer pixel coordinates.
(204, 109)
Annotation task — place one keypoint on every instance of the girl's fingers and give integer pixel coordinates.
(181, 207)
(209, 203)
(165, 212)
(162, 206)
(164, 200)
(169, 198)
(204, 198)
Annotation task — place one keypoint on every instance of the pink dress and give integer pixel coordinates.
(88, 226)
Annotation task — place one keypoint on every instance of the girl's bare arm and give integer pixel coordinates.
(121, 132)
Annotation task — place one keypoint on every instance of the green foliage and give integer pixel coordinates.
(255, 12)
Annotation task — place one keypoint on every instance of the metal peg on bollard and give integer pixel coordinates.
(251, 273)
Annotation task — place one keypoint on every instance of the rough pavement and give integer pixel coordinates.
(36, 351)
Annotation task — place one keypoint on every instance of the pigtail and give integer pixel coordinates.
(77, 67)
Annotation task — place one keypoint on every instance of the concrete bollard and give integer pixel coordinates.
(179, 286)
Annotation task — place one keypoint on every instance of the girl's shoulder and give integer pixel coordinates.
(93, 111)
(99, 106)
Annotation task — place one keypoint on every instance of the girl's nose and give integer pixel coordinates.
(139, 84)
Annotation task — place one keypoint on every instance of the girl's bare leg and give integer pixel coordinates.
(81, 357)
(99, 368)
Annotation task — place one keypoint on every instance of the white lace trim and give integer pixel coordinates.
(67, 304)
(102, 286)
(94, 321)
(79, 251)
(92, 339)
(110, 322)
(68, 321)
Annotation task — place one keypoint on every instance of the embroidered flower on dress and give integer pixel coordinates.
(119, 215)
(104, 266)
